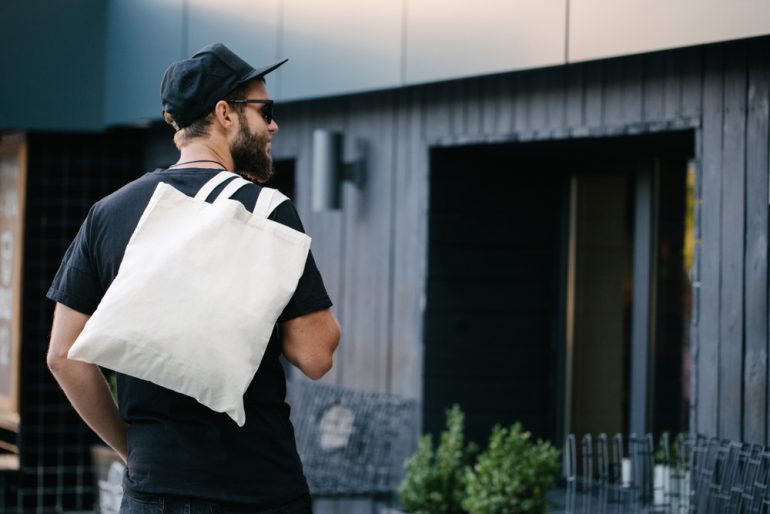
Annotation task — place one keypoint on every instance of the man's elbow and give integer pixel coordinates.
(322, 364)
(318, 369)
(58, 362)
(55, 362)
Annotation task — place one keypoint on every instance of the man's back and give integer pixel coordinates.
(176, 446)
(180, 454)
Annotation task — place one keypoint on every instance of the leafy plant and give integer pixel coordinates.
(112, 381)
(661, 455)
(512, 475)
(435, 480)
(681, 457)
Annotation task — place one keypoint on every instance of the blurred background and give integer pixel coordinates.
(546, 211)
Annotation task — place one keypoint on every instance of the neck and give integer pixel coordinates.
(203, 152)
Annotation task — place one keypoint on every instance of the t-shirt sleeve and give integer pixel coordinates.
(76, 284)
(310, 294)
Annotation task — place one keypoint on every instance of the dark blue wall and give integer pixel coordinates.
(52, 64)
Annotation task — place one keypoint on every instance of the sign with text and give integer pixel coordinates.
(12, 194)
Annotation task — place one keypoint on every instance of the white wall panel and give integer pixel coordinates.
(143, 38)
(601, 28)
(448, 39)
(249, 28)
(340, 46)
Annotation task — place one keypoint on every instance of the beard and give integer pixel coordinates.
(249, 154)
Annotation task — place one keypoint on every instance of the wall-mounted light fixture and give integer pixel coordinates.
(329, 171)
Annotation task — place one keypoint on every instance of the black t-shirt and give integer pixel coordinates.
(176, 445)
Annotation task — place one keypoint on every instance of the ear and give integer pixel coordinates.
(225, 114)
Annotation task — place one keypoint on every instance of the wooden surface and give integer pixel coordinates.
(13, 186)
(709, 233)
(756, 292)
(733, 176)
(373, 252)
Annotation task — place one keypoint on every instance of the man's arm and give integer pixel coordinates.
(309, 342)
(83, 383)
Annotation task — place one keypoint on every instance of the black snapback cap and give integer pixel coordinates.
(191, 88)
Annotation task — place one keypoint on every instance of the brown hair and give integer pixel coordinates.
(201, 126)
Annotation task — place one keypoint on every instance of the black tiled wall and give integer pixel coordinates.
(66, 174)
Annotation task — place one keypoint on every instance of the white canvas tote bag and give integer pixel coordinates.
(197, 294)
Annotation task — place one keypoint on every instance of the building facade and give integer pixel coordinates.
(571, 232)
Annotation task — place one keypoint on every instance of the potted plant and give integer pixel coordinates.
(436, 479)
(512, 476)
(661, 482)
(679, 474)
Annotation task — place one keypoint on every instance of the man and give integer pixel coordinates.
(181, 455)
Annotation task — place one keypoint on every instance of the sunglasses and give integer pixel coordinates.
(266, 111)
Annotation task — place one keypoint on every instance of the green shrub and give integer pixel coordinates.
(512, 475)
(112, 380)
(435, 481)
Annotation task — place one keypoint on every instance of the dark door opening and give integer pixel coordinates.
(530, 292)
(598, 301)
(283, 178)
(493, 289)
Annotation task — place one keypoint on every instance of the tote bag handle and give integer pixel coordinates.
(209, 186)
(267, 200)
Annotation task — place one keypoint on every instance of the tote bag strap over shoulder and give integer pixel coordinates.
(212, 184)
(231, 188)
(267, 201)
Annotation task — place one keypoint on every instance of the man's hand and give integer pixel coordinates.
(83, 384)
(309, 342)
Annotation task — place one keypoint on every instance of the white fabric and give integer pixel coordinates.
(207, 188)
(197, 294)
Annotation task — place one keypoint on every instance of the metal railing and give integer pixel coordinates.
(689, 475)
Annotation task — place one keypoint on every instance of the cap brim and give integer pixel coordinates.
(261, 72)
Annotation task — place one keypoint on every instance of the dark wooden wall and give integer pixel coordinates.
(373, 252)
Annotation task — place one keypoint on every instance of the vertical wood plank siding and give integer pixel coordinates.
(373, 252)
(654, 86)
(368, 243)
(733, 175)
(756, 302)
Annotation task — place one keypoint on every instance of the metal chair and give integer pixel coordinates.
(603, 473)
(352, 443)
(642, 463)
(569, 469)
(695, 475)
(717, 472)
(619, 487)
(587, 481)
(760, 494)
(741, 495)
(702, 464)
(728, 477)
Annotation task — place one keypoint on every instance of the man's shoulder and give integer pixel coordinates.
(129, 192)
(134, 196)
(128, 197)
(144, 186)
(286, 214)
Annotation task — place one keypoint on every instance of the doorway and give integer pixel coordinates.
(532, 313)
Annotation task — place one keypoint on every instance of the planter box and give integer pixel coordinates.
(661, 484)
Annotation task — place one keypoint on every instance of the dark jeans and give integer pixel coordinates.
(151, 504)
